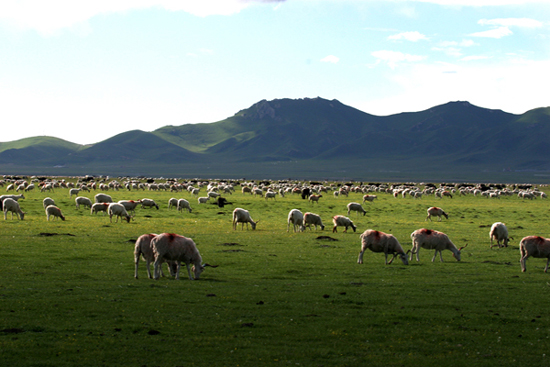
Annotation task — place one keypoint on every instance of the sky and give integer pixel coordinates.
(84, 71)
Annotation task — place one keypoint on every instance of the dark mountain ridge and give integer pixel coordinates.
(318, 133)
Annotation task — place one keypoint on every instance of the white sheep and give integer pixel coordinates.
(271, 195)
(296, 217)
(130, 205)
(47, 202)
(119, 211)
(341, 221)
(148, 203)
(184, 204)
(377, 241)
(73, 192)
(144, 249)
(499, 232)
(433, 240)
(53, 211)
(315, 198)
(173, 202)
(369, 198)
(103, 198)
(82, 200)
(203, 199)
(12, 206)
(99, 207)
(356, 207)
(174, 247)
(313, 219)
(435, 211)
(243, 216)
(534, 246)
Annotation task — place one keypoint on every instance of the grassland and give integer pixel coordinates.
(68, 295)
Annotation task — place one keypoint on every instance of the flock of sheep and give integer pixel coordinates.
(175, 249)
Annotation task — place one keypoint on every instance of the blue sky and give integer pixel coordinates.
(85, 71)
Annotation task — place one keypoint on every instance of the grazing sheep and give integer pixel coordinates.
(313, 219)
(435, 211)
(433, 240)
(174, 247)
(534, 246)
(73, 192)
(103, 198)
(356, 207)
(81, 200)
(47, 202)
(369, 198)
(297, 219)
(184, 204)
(130, 205)
(499, 232)
(119, 211)
(53, 211)
(203, 199)
(242, 216)
(341, 221)
(12, 206)
(315, 198)
(148, 203)
(173, 202)
(377, 241)
(144, 249)
(99, 207)
(271, 195)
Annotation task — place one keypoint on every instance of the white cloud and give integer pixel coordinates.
(330, 59)
(409, 36)
(512, 22)
(493, 33)
(393, 58)
(48, 17)
(474, 58)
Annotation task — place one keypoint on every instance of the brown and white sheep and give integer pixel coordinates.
(174, 247)
(119, 211)
(534, 246)
(53, 211)
(144, 248)
(435, 211)
(341, 221)
(12, 206)
(356, 207)
(377, 241)
(313, 219)
(433, 240)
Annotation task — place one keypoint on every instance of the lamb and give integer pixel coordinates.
(312, 218)
(148, 203)
(534, 246)
(52, 210)
(295, 217)
(377, 241)
(434, 210)
(144, 249)
(12, 206)
(315, 198)
(184, 204)
(99, 207)
(242, 216)
(369, 198)
(499, 232)
(433, 240)
(130, 205)
(341, 221)
(119, 211)
(103, 198)
(81, 200)
(356, 207)
(174, 247)
(47, 202)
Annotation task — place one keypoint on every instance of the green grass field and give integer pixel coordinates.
(69, 298)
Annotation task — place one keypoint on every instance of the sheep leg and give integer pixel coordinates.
(360, 258)
(189, 272)
(546, 268)
(435, 254)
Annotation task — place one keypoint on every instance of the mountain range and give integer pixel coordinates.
(311, 138)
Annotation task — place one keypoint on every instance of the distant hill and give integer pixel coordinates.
(312, 137)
